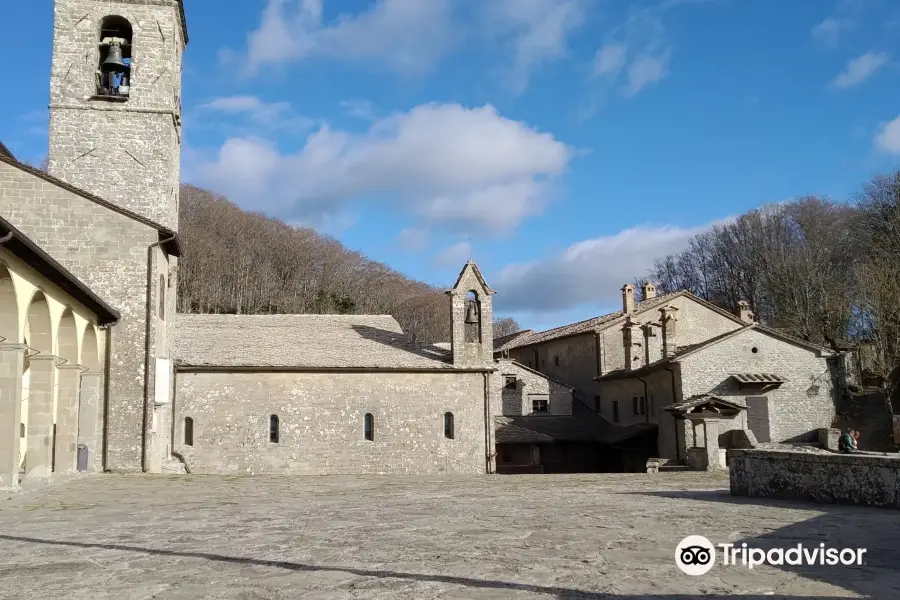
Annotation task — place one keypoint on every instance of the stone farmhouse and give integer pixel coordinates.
(100, 373)
(696, 378)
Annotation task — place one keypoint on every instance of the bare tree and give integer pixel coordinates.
(505, 326)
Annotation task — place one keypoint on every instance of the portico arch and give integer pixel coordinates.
(41, 376)
(11, 366)
(9, 308)
(67, 384)
(88, 399)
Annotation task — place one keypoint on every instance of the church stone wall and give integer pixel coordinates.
(321, 422)
(108, 252)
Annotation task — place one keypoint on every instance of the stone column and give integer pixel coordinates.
(39, 444)
(66, 418)
(711, 432)
(88, 413)
(12, 359)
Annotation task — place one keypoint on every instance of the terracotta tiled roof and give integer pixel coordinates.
(301, 341)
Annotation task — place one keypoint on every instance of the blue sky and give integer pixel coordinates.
(564, 144)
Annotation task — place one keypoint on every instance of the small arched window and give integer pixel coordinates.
(273, 429)
(449, 432)
(188, 431)
(162, 297)
(114, 68)
(369, 427)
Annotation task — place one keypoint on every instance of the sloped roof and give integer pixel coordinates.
(31, 254)
(607, 320)
(301, 342)
(562, 428)
(752, 378)
(587, 325)
(686, 350)
(502, 342)
(478, 276)
(4, 151)
(533, 372)
(704, 399)
(173, 247)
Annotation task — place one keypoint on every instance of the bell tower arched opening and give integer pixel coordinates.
(114, 69)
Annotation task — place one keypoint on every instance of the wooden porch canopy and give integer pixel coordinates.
(705, 406)
(758, 380)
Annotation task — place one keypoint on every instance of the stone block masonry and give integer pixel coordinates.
(108, 252)
(864, 479)
(321, 422)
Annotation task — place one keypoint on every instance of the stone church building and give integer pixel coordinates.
(98, 372)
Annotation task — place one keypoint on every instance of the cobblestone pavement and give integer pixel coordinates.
(578, 536)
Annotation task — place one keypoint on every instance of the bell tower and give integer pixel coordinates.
(115, 102)
(471, 314)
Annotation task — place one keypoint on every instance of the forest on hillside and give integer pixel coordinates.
(824, 271)
(240, 262)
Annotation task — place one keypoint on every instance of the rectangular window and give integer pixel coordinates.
(615, 411)
(540, 406)
(509, 382)
(634, 406)
(643, 405)
(596, 403)
(556, 360)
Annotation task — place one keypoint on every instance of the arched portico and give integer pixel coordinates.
(89, 397)
(41, 377)
(67, 385)
(12, 356)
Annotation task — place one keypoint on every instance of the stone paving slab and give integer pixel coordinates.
(120, 537)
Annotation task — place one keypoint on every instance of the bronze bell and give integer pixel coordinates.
(114, 62)
(472, 313)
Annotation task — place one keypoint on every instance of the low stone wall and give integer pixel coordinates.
(864, 479)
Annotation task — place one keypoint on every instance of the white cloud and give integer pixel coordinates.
(887, 139)
(269, 115)
(646, 70)
(633, 55)
(407, 35)
(610, 59)
(537, 32)
(359, 109)
(456, 254)
(860, 68)
(443, 163)
(588, 272)
(828, 31)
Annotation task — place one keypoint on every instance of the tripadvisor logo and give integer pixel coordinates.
(696, 555)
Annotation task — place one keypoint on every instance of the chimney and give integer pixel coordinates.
(668, 320)
(649, 290)
(743, 311)
(629, 337)
(628, 298)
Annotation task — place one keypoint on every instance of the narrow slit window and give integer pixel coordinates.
(273, 429)
(369, 427)
(615, 411)
(449, 432)
(188, 431)
(162, 297)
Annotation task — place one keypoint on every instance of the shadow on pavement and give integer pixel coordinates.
(558, 592)
(839, 526)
